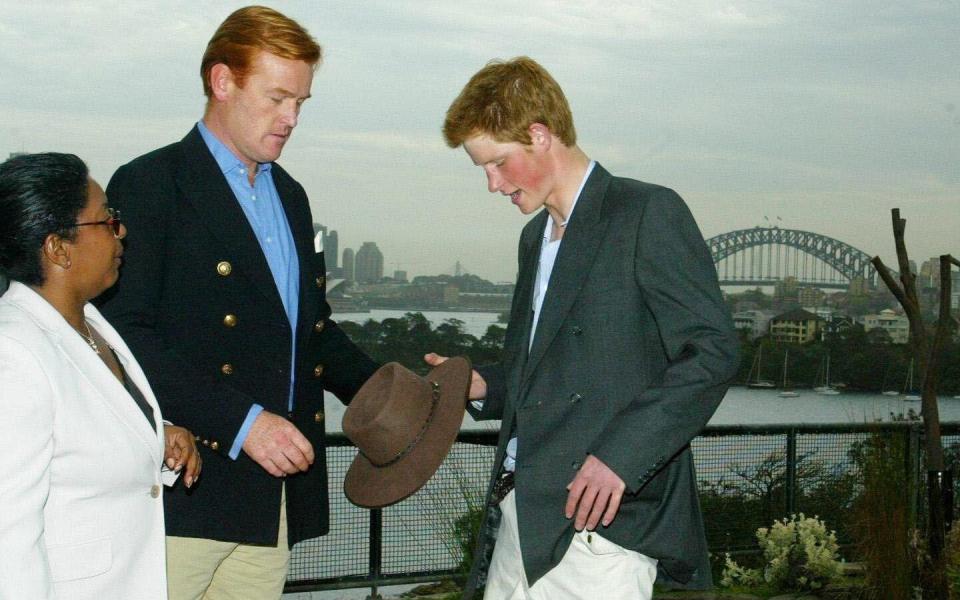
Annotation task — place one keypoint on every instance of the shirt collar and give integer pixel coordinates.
(583, 182)
(226, 160)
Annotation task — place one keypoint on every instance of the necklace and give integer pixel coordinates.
(88, 337)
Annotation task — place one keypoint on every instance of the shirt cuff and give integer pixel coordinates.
(255, 411)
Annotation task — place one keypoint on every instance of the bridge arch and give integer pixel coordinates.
(765, 255)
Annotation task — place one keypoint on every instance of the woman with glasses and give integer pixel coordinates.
(83, 441)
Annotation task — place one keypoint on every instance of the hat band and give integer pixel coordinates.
(416, 440)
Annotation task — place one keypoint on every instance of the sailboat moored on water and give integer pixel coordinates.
(754, 381)
(825, 388)
(786, 390)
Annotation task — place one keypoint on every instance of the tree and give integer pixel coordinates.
(926, 352)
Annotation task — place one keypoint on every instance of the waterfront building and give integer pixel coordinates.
(797, 326)
(896, 326)
(755, 322)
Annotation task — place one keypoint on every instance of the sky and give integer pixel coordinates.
(815, 115)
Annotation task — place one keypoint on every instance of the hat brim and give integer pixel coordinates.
(369, 486)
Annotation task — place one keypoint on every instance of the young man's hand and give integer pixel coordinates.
(478, 387)
(595, 492)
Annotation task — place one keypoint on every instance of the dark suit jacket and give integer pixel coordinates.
(191, 260)
(632, 354)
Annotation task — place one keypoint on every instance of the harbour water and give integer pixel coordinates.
(741, 406)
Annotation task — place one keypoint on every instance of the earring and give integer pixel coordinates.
(68, 265)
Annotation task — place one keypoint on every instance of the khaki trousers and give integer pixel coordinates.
(593, 567)
(210, 570)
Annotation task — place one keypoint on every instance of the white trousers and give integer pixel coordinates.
(593, 567)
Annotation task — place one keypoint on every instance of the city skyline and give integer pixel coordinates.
(825, 116)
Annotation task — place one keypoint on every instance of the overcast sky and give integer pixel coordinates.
(823, 113)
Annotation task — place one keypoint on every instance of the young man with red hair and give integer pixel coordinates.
(618, 350)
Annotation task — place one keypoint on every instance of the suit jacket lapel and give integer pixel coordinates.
(523, 302)
(79, 356)
(152, 437)
(207, 190)
(582, 238)
(297, 209)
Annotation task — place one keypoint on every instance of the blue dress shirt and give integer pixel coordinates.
(261, 205)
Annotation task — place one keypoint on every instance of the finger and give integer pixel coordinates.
(271, 466)
(478, 387)
(613, 506)
(433, 359)
(586, 505)
(192, 468)
(303, 445)
(599, 504)
(173, 452)
(573, 498)
(285, 465)
(181, 448)
(296, 458)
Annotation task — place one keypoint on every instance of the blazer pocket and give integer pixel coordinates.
(80, 561)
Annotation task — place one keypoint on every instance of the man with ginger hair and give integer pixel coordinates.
(222, 299)
(618, 350)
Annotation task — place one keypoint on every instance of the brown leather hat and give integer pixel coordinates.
(403, 426)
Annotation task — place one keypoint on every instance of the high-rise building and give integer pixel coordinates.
(929, 275)
(331, 248)
(348, 273)
(786, 289)
(368, 266)
(858, 286)
(811, 296)
(330, 245)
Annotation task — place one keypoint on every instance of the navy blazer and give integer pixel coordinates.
(198, 305)
(633, 352)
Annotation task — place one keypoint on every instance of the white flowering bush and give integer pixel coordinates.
(801, 554)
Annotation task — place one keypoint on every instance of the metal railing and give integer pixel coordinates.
(748, 475)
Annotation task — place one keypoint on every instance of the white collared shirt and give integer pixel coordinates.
(548, 256)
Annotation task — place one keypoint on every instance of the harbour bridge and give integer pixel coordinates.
(765, 255)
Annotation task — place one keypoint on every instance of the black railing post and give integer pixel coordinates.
(791, 483)
(376, 552)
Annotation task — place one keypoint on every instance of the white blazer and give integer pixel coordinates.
(81, 498)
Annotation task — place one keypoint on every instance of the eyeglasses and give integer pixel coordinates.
(113, 221)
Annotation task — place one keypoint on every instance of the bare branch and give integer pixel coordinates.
(899, 232)
(888, 279)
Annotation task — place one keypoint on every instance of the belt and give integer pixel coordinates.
(501, 487)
